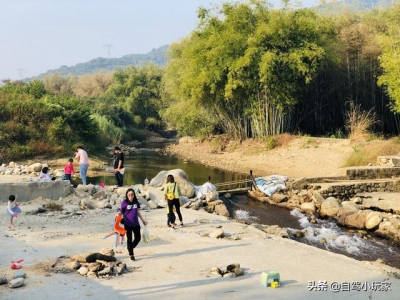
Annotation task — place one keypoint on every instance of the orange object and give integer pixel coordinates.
(118, 230)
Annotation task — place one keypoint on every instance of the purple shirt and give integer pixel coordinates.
(130, 212)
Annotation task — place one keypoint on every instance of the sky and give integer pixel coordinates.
(39, 35)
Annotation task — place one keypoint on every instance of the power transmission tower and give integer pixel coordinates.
(20, 73)
(108, 49)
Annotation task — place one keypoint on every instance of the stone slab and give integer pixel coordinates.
(26, 191)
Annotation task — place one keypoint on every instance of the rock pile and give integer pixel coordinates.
(93, 265)
(231, 271)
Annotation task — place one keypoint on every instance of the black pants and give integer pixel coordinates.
(177, 204)
(68, 176)
(120, 178)
(137, 237)
(170, 218)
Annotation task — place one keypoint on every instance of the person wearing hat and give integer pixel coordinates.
(119, 165)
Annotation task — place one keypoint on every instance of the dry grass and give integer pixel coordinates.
(284, 139)
(367, 153)
(53, 206)
(358, 122)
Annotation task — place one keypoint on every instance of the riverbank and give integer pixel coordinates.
(299, 157)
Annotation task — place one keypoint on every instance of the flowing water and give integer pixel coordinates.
(147, 161)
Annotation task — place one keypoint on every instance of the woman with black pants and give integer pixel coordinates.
(172, 194)
(130, 211)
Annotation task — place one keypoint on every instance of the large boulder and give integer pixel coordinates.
(329, 207)
(181, 178)
(356, 220)
(373, 219)
(347, 208)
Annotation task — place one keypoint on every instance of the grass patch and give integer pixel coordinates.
(365, 154)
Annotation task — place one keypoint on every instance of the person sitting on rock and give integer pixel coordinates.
(45, 176)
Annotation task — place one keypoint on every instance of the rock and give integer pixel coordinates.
(94, 267)
(162, 203)
(151, 204)
(83, 270)
(109, 252)
(329, 207)
(231, 267)
(218, 234)
(100, 195)
(222, 210)
(227, 195)
(3, 280)
(373, 219)
(146, 195)
(36, 167)
(298, 234)
(347, 208)
(229, 275)
(86, 204)
(19, 274)
(308, 207)
(317, 199)
(75, 265)
(181, 178)
(278, 198)
(215, 271)
(105, 271)
(356, 220)
(238, 271)
(16, 282)
(91, 274)
(212, 196)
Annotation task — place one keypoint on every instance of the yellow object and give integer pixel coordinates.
(170, 196)
(274, 284)
(270, 275)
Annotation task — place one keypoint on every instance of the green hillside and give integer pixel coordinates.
(157, 56)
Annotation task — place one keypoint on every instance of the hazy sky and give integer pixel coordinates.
(38, 35)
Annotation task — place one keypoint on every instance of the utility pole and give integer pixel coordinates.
(108, 49)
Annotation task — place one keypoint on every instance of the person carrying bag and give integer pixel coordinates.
(172, 194)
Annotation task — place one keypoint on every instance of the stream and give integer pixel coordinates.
(148, 160)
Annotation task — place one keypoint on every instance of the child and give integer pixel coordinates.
(45, 176)
(69, 170)
(171, 218)
(12, 210)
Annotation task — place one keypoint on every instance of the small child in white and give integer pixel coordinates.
(12, 210)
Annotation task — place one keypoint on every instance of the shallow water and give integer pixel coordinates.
(324, 234)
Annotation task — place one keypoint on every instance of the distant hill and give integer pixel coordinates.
(157, 56)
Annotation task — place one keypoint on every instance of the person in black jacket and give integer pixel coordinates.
(119, 165)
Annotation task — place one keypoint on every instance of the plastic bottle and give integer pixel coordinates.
(31, 180)
(146, 181)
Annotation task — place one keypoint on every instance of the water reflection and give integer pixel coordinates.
(147, 161)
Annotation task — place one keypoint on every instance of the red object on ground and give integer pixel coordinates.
(15, 264)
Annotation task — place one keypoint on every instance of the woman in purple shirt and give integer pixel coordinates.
(130, 211)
